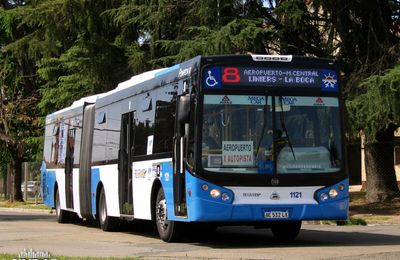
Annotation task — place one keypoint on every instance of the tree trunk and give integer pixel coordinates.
(9, 183)
(16, 165)
(17, 150)
(5, 185)
(380, 172)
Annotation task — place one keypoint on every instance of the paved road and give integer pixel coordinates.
(41, 232)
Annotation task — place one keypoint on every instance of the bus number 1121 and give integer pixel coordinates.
(296, 195)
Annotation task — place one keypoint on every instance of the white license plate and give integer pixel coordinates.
(272, 214)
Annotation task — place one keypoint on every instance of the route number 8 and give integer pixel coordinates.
(230, 75)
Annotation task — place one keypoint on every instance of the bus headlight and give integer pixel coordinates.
(225, 196)
(323, 196)
(333, 193)
(215, 193)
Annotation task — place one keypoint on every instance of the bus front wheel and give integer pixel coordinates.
(286, 230)
(169, 231)
(62, 215)
(107, 223)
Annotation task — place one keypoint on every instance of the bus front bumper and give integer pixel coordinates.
(206, 210)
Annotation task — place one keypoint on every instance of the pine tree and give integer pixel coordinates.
(61, 50)
(377, 112)
(18, 98)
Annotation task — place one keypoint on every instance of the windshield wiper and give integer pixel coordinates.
(284, 127)
(264, 125)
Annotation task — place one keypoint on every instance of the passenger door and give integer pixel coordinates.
(69, 166)
(125, 164)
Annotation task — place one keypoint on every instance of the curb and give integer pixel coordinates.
(48, 211)
(355, 188)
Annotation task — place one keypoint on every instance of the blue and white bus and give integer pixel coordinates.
(221, 140)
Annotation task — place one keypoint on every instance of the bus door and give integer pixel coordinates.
(85, 161)
(69, 166)
(125, 164)
(180, 147)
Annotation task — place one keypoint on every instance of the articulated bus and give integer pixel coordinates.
(220, 140)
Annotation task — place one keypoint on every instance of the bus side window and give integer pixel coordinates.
(55, 143)
(144, 127)
(164, 126)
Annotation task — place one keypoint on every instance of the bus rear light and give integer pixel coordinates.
(215, 193)
(341, 187)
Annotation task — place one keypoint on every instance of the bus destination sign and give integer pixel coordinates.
(223, 77)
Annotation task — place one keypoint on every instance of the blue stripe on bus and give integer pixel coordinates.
(49, 181)
(166, 70)
(166, 178)
(95, 182)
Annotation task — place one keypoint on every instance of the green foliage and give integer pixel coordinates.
(88, 67)
(377, 105)
(293, 12)
(71, 44)
(238, 36)
(19, 119)
(61, 50)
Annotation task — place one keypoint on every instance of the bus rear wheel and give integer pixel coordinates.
(169, 231)
(286, 230)
(62, 215)
(107, 223)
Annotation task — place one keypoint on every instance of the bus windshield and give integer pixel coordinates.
(238, 135)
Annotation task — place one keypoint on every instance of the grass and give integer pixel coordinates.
(352, 222)
(11, 256)
(348, 222)
(362, 212)
(373, 213)
(359, 205)
(29, 204)
(7, 256)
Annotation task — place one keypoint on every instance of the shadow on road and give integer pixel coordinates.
(247, 237)
(10, 216)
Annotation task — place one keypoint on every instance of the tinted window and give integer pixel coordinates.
(164, 127)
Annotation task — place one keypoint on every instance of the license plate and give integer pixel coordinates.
(272, 214)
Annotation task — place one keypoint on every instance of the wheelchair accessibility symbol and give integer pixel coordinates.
(211, 81)
(211, 77)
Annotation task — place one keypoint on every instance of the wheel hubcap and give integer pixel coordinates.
(162, 214)
(103, 211)
(58, 205)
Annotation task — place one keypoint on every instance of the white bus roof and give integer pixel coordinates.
(123, 85)
(138, 79)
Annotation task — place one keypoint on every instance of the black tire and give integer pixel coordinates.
(286, 230)
(169, 231)
(106, 222)
(62, 215)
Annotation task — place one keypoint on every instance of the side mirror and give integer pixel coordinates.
(183, 113)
